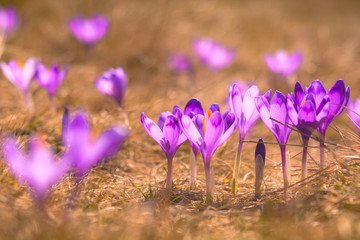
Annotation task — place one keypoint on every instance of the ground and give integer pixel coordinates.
(124, 198)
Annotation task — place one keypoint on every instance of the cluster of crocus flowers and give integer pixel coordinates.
(113, 83)
(282, 63)
(167, 133)
(213, 54)
(9, 20)
(90, 30)
(41, 169)
(243, 106)
(22, 74)
(307, 111)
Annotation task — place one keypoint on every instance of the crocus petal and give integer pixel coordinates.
(214, 130)
(162, 118)
(14, 157)
(171, 133)
(299, 94)
(193, 106)
(151, 128)
(214, 107)
(267, 95)
(318, 90)
(190, 131)
(291, 109)
(230, 124)
(263, 107)
(250, 112)
(235, 100)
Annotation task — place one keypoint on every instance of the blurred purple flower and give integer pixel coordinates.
(243, 106)
(283, 63)
(39, 170)
(213, 54)
(82, 150)
(207, 133)
(89, 30)
(353, 112)
(275, 116)
(168, 135)
(21, 75)
(179, 63)
(339, 97)
(8, 20)
(306, 114)
(113, 83)
(50, 79)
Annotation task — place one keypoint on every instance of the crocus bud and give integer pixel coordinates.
(259, 165)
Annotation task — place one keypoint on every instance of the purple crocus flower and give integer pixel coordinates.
(306, 114)
(283, 63)
(82, 150)
(213, 54)
(39, 170)
(50, 79)
(8, 20)
(113, 83)
(339, 97)
(353, 113)
(207, 133)
(243, 105)
(168, 135)
(89, 30)
(179, 63)
(274, 115)
(21, 75)
(193, 108)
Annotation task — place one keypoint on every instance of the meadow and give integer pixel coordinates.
(124, 197)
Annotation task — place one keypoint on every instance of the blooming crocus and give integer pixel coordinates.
(39, 170)
(213, 54)
(113, 83)
(50, 79)
(21, 75)
(282, 63)
(89, 30)
(259, 165)
(353, 113)
(243, 105)
(207, 133)
(274, 115)
(8, 20)
(82, 150)
(168, 135)
(339, 97)
(179, 63)
(306, 114)
(193, 108)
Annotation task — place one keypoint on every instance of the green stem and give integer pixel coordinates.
(322, 149)
(237, 165)
(284, 167)
(304, 156)
(169, 174)
(192, 169)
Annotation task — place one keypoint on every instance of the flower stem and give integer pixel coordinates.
(209, 182)
(192, 169)
(284, 167)
(305, 139)
(28, 101)
(322, 149)
(169, 173)
(237, 166)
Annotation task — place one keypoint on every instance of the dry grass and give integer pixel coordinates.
(124, 198)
